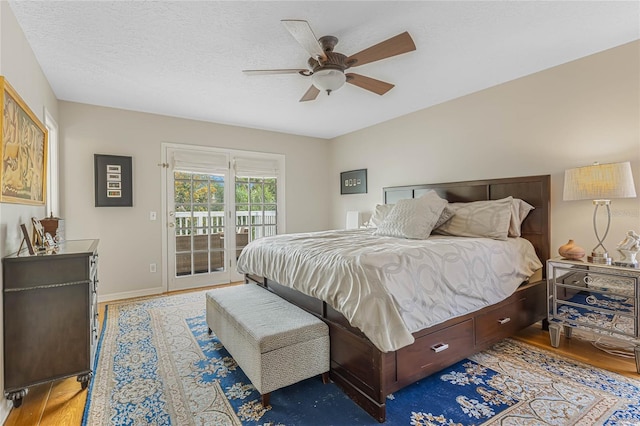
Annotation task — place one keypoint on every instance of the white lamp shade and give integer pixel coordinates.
(599, 182)
(353, 220)
(328, 79)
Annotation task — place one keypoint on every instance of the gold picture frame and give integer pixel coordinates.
(23, 174)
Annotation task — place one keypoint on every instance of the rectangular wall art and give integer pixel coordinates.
(113, 175)
(23, 174)
(353, 182)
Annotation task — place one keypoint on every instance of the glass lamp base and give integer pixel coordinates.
(599, 258)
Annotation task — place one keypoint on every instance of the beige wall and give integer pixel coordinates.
(129, 241)
(568, 116)
(19, 66)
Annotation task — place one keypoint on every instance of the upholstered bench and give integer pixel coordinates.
(275, 343)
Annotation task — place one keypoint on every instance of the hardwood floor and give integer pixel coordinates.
(580, 350)
(62, 402)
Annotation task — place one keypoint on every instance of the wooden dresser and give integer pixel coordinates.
(50, 316)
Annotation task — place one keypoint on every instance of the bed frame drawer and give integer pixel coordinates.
(501, 322)
(435, 351)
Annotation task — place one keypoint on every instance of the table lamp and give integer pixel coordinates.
(600, 183)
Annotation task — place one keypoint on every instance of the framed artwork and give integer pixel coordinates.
(353, 182)
(113, 180)
(23, 174)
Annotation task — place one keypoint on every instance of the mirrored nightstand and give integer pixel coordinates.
(601, 299)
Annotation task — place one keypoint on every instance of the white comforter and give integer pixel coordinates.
(391, 287)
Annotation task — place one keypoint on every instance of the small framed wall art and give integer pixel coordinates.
(353, 182)
(113, 181)
(23, 173)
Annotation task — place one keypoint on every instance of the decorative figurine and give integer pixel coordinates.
(571, 251)
(629, 248)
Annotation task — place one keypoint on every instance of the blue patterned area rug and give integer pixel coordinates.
(157, 365)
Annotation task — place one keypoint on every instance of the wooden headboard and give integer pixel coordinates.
(535, 190)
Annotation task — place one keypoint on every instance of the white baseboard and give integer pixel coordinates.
(5, 409)
(130, 294)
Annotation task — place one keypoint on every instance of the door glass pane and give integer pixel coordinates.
(256, 209)
(199, 219)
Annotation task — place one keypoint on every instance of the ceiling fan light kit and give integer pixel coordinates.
(328, 80)
(327, 68)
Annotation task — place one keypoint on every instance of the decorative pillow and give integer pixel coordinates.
(380, 212)
(519, 211)
(447, 214)
(488, 219)
(413, 218)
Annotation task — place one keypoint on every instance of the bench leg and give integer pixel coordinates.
(325, 377)
(265, 399)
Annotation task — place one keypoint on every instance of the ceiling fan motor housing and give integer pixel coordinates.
(334, 61)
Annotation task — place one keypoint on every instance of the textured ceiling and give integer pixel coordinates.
(184, 59)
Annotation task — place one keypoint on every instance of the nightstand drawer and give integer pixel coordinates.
(593, 290)
(600, 302)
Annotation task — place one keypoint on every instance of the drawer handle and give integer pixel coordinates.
(591, 299)
(504, 320)
(439, 347)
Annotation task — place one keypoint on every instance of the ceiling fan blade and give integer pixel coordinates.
(402, 43)
(310, 94)
(280, 71)
(302, 32)
(370, 84)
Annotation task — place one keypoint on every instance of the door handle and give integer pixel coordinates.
(171, 224)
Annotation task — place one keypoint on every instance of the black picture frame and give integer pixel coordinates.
(113, 180)
(353, 182)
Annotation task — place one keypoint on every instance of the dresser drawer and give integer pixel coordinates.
(500, 322)
(435, 351)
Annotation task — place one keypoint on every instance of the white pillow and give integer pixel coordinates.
(519, 211)
(447, 213)
(413, 218)
(488, 219)
(380, 212)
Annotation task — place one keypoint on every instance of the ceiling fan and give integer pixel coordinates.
(327, 68)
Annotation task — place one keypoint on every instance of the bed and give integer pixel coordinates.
(369, 371)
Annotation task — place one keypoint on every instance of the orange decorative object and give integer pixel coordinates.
(571, 251)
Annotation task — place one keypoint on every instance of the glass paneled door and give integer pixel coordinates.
(197, 249)
(213, 210)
